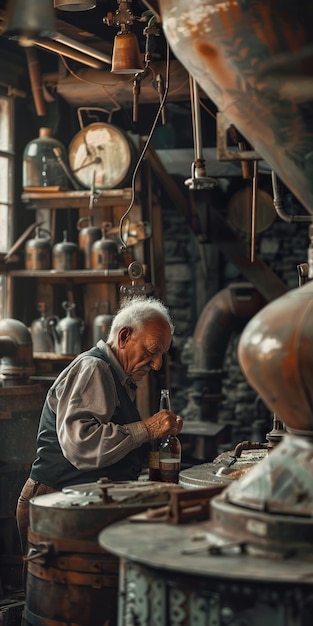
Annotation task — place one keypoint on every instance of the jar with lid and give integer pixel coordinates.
(41, 167)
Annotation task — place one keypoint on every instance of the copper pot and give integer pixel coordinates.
(104, 252)
(87, 235)
(65, 255)
(38, 251)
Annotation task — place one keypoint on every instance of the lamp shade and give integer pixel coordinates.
(28, 19)
(126, 57)
(75, 5)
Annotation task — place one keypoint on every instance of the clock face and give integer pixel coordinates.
(101, 154)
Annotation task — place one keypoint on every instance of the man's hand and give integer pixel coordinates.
(163, 423)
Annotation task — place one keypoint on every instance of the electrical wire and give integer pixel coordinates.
(145, 147)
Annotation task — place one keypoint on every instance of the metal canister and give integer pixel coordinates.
(102, 322)
(65, 255)
(104, 253)
(87, 235)
(38, 251)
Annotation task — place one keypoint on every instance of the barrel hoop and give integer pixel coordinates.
(77, 563)
(37, 620)
(97, 581)
(65, 545)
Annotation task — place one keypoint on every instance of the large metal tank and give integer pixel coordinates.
(183, 575)
(255, 61)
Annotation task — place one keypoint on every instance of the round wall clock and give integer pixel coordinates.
(103, 155)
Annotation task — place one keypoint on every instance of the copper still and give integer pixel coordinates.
(269, 511)
(255, 61)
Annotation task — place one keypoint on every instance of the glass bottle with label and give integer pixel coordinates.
(169, 455)
(154, 471)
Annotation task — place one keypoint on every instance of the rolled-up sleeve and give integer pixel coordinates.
(84, 403)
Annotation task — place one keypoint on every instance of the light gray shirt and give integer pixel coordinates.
(84, 401)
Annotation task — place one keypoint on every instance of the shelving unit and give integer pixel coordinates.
(87, 288)
(76, 199)
(77, 276)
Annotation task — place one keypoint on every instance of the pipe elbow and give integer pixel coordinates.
(225, 313)
(16, 350)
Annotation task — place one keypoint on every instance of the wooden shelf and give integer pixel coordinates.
(75, 199)
(51, 356)
(77, 276)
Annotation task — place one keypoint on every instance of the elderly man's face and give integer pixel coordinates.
(143, 350)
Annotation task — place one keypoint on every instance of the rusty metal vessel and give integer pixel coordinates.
(255, 61)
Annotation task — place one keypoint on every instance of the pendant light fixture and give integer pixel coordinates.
(29, 19)
(126, 58)
(74, 5)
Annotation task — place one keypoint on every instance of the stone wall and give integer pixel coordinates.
(189, 287)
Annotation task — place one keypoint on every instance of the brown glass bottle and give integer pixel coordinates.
(154, 471)
(169, 450)
(169, 459)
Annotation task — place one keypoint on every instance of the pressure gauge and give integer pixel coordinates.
(101, 156)
(135, 270)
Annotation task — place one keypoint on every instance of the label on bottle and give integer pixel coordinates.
(154, 459)
(154, 472)
(169, 470)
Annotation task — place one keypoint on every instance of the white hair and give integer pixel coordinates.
(135, 311)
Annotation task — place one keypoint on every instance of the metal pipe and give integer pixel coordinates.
(58, 48)
(80, 47)
(230, 307)
(254, 208)
(229, 310)
(16, 352)
(279, 205)
(35, 81)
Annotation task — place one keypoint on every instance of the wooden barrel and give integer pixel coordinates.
(70, 582)
(70, 578)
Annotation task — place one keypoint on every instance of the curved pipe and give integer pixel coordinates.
(228, 311)
(279, 205)
(16, 352)
(35, 81)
